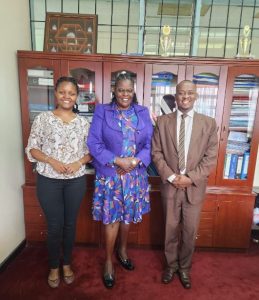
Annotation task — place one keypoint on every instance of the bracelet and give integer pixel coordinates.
(80, 163)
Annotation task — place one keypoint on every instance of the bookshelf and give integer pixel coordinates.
(241, 123)
(228, 91)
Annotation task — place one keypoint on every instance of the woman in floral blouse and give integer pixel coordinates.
(57, 143)
(119, 141)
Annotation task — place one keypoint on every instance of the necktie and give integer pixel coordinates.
(181, 149)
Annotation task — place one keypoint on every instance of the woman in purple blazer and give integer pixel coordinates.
(120, 142)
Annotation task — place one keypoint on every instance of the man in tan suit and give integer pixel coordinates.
(184, 150)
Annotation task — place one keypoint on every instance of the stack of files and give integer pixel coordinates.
(236, 166)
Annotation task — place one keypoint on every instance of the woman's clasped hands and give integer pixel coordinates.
(125, 164)
(62, 168)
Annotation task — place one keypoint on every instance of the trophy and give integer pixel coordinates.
(245, 42)
(165, 40)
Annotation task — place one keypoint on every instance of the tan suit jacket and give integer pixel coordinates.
(201, 158)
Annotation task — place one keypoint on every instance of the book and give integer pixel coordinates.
(227, 165)
(233, 166)
(239, 166)
(245, 165)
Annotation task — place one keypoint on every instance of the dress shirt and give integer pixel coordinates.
(188, 133)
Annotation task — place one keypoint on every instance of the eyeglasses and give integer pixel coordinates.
(125, 91)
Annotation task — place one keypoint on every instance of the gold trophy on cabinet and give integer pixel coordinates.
(165, 40)
(245, 42)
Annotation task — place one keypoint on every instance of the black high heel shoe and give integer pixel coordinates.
(126, 263)
(108, 279)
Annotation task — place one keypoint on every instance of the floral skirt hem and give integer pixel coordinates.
(121, 198)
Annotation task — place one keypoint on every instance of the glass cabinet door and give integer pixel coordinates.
(162, 99)
(111, 70)
(40, 91)
(160, 84)
(210, 82)
(86, 98)
(89, 77)
(239, 139)
(207, 88)
(37, 77)
(159, 91)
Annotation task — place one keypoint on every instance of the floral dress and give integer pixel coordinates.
(123, 198)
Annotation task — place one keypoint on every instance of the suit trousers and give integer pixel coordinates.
(60, 200)
(182, 221)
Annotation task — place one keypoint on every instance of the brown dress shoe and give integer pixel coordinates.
(168, 275)
(185, 279)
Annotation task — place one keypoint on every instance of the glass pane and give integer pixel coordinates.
(54, 6)
(133, 40)
(119, 39)
(256, 18)
(202, 42)
(231, 43)
(237, 2)
(218, 16)
(151, 40)
(104, 12)
(234, 16)
(38, 37)
(87, 6)
(38, 10)
(40, 91)
(255, 43)
(70, 6)
(207, 88)
(86, 97)
(205, 13)
(182, 43)
(134, 12)
(153, 18)
(241, 125)
(114, 76)
(216, 42)
(103, 39)
(120, 12)
(247, 16)
(163, 83)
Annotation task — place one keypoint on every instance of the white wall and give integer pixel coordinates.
(15, 34)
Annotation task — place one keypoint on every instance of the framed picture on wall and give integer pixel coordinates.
(75, 33)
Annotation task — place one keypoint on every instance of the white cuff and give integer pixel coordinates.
(171, 178)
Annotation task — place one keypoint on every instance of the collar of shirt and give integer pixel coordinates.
(189, 114)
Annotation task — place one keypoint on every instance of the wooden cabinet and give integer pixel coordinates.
(206, 232)
(35, 225)
(228, 91)
(88, 231)
(234, 220)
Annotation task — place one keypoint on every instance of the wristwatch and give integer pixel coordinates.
(134, 162)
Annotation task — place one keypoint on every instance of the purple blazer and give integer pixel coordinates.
(105, 138)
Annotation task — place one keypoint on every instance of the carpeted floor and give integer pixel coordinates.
(215, 275)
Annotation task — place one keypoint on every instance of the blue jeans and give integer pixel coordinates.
(60, 200)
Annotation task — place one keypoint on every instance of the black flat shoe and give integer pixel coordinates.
(126, 263)
(108, 280)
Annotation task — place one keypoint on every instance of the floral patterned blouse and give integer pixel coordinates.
(65, 142)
